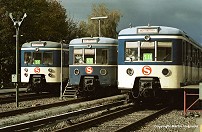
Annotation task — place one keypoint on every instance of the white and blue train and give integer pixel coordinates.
(93, 65)
(41, 65)
(152, 59)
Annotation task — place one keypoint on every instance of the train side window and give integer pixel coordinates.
(48, 58)
(131, 51)
(101, 56)
(27, 58)
(89, 57)
(37, 58)
(164, 51)
(78, 56)
(147, 51)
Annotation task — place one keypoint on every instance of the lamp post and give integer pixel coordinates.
(17, 24)
(99, 19)
(61, 73)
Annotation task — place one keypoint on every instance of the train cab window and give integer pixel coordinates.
(101, 56)
(27, 58)
(131, 51)
(78, 56)
(164, 51)
(48, 58)
(37, 58)
(147, 51)
(89, 56)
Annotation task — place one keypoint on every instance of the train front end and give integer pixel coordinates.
(41, 65)
(152, 59)
(93, 66)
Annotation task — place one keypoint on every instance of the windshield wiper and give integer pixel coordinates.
(164, 58)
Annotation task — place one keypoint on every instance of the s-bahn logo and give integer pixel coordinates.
(37, 70)
(146, 70)
(89, 70)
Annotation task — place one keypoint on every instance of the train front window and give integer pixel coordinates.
(164, 51)
(101, 56)
(89, 57)
(147, 51)
(78, 56)
(131, 52)
(37, 58)
(48, 58)
(27, 58)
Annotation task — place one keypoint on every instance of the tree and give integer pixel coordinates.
(83, 29)
(108, 26)
(46, 20)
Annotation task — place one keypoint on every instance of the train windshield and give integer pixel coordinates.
(48, 58)
(27, 58)
(38, 58)
(90, 56)
(148, 51)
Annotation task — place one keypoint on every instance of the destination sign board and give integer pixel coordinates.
(147, 30)
(38, 44)
(90, 41)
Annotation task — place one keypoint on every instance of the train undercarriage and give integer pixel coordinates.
(90, 86)
(146, 89)
(37, 83)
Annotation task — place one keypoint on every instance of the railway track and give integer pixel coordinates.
(119, 120)
(116, 115)
(40, 107)
(24, 97)
(149, 116)
(69, 116)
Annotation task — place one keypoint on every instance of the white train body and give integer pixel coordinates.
(55, 73)
(41, 65)
(162, 56)
(169, 82)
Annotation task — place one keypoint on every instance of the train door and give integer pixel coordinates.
(189, 49)
(197, 65)
(194, 64)
(185, 61)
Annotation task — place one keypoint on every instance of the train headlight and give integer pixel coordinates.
(76, 72)
(130, 71)
(50, 70)
(147, 37)
(89, 46)
(26, 69)
(50, 75)
(37, 49)
(166, 72)
(103, 72)
(26, 74)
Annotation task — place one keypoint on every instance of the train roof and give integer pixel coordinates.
(44, 44)
(151, 30)
(99, 40)
(140, 30)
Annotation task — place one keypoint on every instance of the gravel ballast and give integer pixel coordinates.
(172, 121)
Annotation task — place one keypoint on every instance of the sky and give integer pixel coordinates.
(183, 14)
